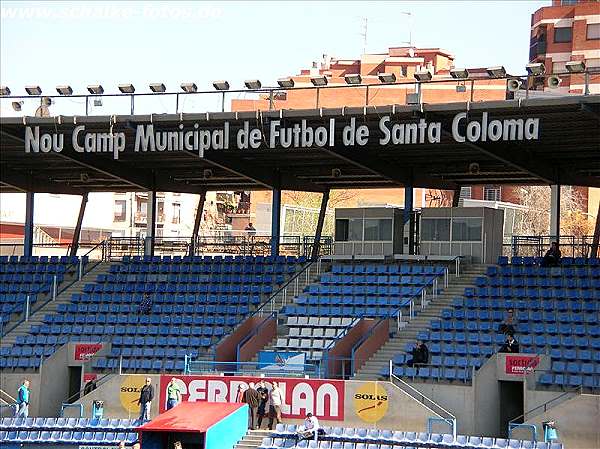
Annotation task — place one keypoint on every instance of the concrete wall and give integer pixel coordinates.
(487, 399)
(226, 351)
(10, 383)
(457, 399)
(577, 421)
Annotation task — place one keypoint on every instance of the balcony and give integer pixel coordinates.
(536, 49)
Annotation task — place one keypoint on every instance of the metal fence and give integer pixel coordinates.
(537, 245)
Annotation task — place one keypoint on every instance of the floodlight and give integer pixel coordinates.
(189, 87)
(496, 71)
(33, 90)
(46, 101)
(285, 82)
(95, 89)
(157, 87)
(252, 84)
(387, 78)
(221, 85)
(126, 88)
(575, 66)
(535, 69)
(4, 91)
(16, 105)
(64, 90)
(353, 79)
(460, 74)
(318, 81)
(423, 75)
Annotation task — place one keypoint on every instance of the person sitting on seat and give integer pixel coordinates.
(420, 354)
(508, 325)
(552, 256)
(511, 345)
(146, 304)
(310, 430)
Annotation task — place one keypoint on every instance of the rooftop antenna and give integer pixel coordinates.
(409, 14)
(365, 21)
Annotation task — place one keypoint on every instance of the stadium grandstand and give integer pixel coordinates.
(405, 329)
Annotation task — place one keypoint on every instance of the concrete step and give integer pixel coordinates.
(432, 311)
(64, 297)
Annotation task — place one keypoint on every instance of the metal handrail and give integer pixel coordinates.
(7, 395)
(576, 390)
(420, 397)
(79, 395)
(81, 271)
(255, 331)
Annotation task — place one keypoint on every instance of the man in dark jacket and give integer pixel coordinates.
(552, 256)
(252, 398)
(145, 400)
(511, 345)
(420, 354)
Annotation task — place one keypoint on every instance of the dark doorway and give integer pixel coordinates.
(511, 403)
(74, 383)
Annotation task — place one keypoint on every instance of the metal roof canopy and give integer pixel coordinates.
(567, 152)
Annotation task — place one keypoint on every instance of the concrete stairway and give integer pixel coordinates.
(37, 317)
(432, 311)
(253, 439)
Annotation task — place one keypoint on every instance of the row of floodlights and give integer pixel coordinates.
(533, 69)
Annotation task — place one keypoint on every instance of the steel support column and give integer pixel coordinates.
(275, 222)
(150, 224)
(555, 212)
(596, 238)
(28, 231)
(321, 220)
(410, 217)
(197, 221)
(77, 232)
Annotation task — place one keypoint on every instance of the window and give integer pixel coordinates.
(120, 210)
(377, 229)
(466, 229)
(559, 67)
(593, 31)
(568, 2)
(492, 193)
(176, 213)
(563, 34)
(355, 229)
(465, 193)
(435, 229)
(341, 230)
(592, 63)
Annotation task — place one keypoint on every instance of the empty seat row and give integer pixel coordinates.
(163, 300)
(178, 288)
(303, 343)
(214, 259)
(42, 259)
(376, 279)
(318, 321)
(334, 311)
(188, 278)
(352, 290)
(529, 271)
(66, 423)
(571, 380)
(387, 269)
(359, 438)
(537, 282)
(381, 301)
(585, 302)
(538, 293)
(66, 437)
(204, 269)
(564, 261)
(144, 364)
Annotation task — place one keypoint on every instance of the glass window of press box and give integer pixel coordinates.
(363, 229)
(461, 229)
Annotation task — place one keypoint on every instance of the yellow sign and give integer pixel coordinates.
(130, 392)
(371, 402)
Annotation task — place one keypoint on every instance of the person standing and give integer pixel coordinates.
(276, 403)
(173, 394)
(511, 346)
(252, 398)
(23, 400)
(145, 400)
(263, 407)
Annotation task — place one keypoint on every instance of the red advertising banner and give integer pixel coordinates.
(84, 351)
(521, 364)
(322, 397)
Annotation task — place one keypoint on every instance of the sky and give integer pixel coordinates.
(77, 43)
